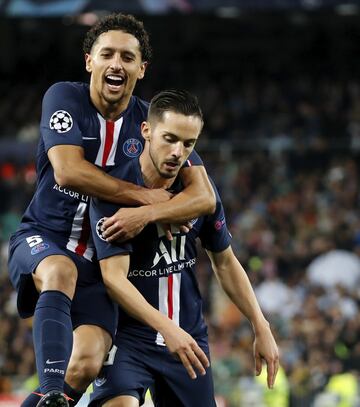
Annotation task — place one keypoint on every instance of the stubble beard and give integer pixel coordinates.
(162, 174)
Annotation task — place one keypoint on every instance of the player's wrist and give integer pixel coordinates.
(164, 325)
(260, 324)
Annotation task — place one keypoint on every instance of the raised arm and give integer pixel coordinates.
(196, 199)
(72, 170)
(114, 271)
(236, 284)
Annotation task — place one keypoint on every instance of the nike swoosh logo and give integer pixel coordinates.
(89, 138)
(51, 362)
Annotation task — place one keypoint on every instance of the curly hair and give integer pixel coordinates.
(122, 22)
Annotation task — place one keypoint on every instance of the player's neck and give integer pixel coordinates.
(110, 111)
(150, 175)
(157, 182)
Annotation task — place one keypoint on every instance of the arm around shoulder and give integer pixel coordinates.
(196, 199)
(72, 170)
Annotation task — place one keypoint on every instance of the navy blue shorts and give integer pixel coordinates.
(91, 304)
(134, 366)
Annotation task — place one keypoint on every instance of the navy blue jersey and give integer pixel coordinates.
(163, 271)
(70, 118)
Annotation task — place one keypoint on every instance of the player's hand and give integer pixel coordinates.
(184, 347)
(124, 224)
(153, 196)
(265, 348)
(183, 228)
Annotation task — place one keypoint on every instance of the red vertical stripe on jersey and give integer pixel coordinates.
(109, 138)
(85, 234)
(170, 297)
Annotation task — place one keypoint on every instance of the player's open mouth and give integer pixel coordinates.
(114, 81)
(171, 164)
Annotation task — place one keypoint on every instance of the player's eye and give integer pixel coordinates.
(169, 139)
(189, 144)
(128, 58)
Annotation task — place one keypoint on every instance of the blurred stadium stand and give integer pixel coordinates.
(42, 8)
(279, 82)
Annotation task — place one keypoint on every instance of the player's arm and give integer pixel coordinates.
(72, 170)
(66, 154)
(196, 199)
(236, 284)
(114, 272)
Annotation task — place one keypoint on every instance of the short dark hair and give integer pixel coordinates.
(123, 22)
(174, 100)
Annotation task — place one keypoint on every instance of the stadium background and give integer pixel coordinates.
(278, 81)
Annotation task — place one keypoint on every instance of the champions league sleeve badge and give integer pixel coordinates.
(132, 147)
(98, 228)
(61, 121)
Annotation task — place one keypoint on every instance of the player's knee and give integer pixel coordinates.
(60, 276)
(83, 371)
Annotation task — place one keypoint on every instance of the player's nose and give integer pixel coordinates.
(178, 150)
(116, 63)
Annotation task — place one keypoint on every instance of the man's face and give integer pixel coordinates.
(115, 65)
(171, 140)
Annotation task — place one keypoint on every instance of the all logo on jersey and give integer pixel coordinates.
(176, 251)
(61, 121)
(98, 228)
(132, 147)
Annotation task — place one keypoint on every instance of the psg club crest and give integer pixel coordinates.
(61, 121)
(132, 147)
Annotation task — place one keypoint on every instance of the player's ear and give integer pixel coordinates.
(88, 62)
(146, 130)
(142, 70)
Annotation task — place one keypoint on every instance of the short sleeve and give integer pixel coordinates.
(62, 113)
(98, 211)
(214, 234)
(193, 159)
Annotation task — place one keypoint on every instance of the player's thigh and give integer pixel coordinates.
(92, 307)
(27, 250)
(94, 318)
(122, 401)
(125, 373)
(91, 345)
(173, 386)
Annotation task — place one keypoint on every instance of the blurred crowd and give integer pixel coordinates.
(285, 157)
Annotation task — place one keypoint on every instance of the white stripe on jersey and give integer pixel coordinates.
(117, 127)
(176, 298)
(165, 298)
(75, 234)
